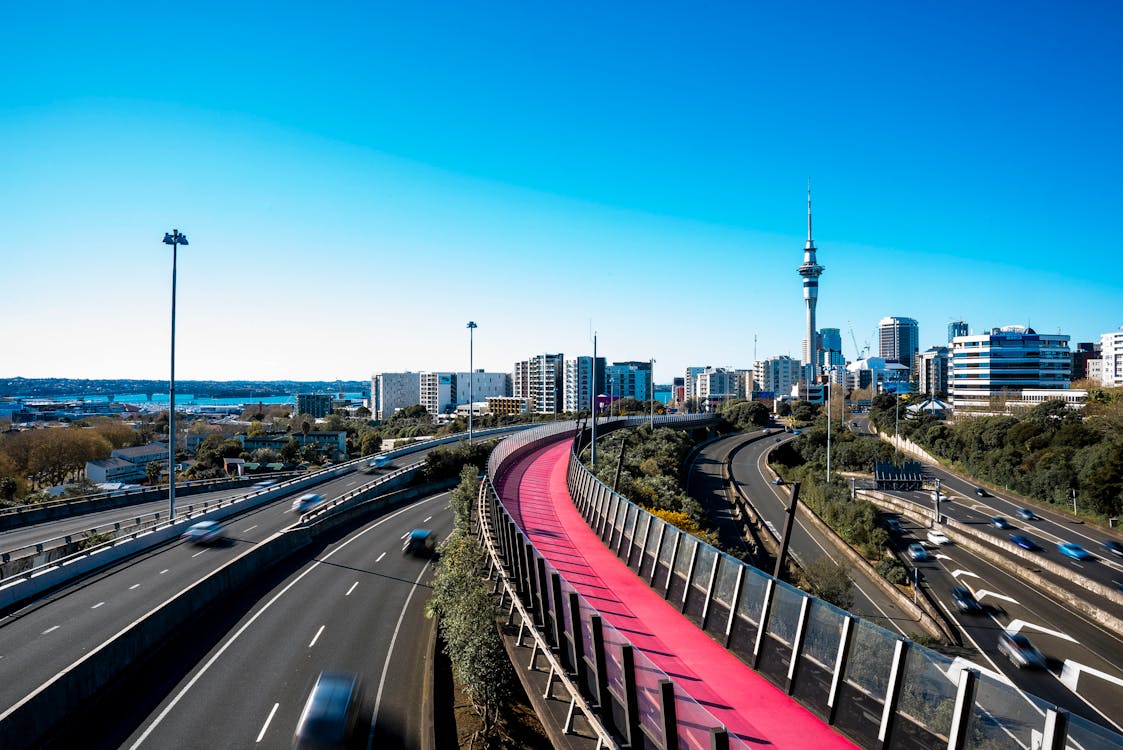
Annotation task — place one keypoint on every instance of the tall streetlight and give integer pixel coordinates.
(175, 239)
(651, 377)
(471, 379)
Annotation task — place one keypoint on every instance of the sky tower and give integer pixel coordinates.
(810, 271)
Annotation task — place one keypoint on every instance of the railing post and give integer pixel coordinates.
(797, 643)
(575, 634)
(543, 596)
(670, 718)
(719, 738)
(762, 628)
(1055, 735)
(671, 565)
(600, 663)
(710, 589)
(655, 555)
(557, 611)
(845, 640)
(734, 603)
(690, 574)
(631, 695)
(893, 693)
(643, 546)
(964, 705)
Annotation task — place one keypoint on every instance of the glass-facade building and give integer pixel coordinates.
(990, 368)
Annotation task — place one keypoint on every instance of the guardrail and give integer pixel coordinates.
(895, 692)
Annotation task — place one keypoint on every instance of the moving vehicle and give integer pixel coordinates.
(381, 462)
(1023, 541)
(999, 522)
(938, 537)
(1020, 651)
(965, 601)
(331, 712)
(981, 492)
(894, 525)
(265, 483)
(420, 542)
(778, 480)
(307, 502)
(1114, 547)
(1075, 551)
(203, 532)
(917, 552)
(1025, 514)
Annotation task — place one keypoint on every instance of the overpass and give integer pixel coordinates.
(671, 643)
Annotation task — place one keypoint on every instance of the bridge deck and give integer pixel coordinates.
(752, 709)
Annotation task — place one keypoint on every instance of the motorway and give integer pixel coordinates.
(241, 676)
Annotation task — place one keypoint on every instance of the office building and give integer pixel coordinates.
(988, 369)
(830, 351)
(629, 380)
(390, 391)
(956, 328)
(541, 379)
(1083, 353)
(583, 380)
(315, 404)
(1110, 369)
(932, 371)
(898, 340)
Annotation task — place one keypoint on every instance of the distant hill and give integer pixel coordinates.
(48, 387)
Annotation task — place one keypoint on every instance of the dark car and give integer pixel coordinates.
(893, 525)
(965, 601)
(999, 522)
(1114, 547)
(1025, 514)
(1020, 651)
(419, 542)
(1023, 541)
(331, 712)
(981, 492)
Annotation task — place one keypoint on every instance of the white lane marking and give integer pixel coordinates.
(940, 556)
(353, 585)
(352, 483)
(981, 593)
(1070, 674)
(218, 654)
(265, 726)
(97, 605)
(317, 636)
(958, 573)
(165, 570)
(427, 519)
(199, 553)
(380, 557)
(51, 629)
(1016, 625)
(390, 652)
(251, 528)
(134, 586)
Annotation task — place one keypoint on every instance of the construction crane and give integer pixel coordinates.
(861, 353)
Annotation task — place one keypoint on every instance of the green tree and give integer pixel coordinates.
(291, 451)
(830, 582)
(8, 488)
(152, 471)
(370, 442)
(745, 415)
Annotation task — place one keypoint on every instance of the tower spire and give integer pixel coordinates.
(810, 242)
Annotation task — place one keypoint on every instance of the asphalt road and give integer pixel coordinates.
(241, 677)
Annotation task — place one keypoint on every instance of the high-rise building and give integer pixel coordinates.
(688, 381)
(442, 392)
(715, 384)
(810, 271)
(956, 328)
(899, 340)
(541, 379)
(1111, 358)
(583, 380)
(390, 391)
(997, 366)
(830, 352)
(776, 375)
(316, 404)
(932, 371)
(629, 380)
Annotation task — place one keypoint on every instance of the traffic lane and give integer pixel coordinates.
(47, 635)
(342, 611)
(748, 468)
(1013, 605)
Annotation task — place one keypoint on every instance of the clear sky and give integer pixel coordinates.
(359, 179)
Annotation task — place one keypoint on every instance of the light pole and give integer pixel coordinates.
(651, 377)
(593, 406)
(175, 239)
(471, 379)
(897, 422)
(830, 378)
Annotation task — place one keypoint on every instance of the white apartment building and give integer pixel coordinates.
(932, 371)
(541, 379)
(481, 386)
(1109, 371)
(390, 391)
(688, 381)
(998, 366)
(581, 382)
(715, 384)
(777, 375)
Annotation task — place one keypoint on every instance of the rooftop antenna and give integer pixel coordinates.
(754, 347)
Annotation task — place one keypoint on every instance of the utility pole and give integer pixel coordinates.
(593, 405)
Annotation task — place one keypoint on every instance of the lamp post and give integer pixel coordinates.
(175, 239)
(471, 379)
(651, 377)
(830, 426)
(897, 422)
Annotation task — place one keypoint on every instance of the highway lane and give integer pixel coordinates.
(357, 606)
(749, 469)
(43, 637)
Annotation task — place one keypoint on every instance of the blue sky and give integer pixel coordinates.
(359, 180)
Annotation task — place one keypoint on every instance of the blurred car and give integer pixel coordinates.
(938, 537)
(767, 432)
(917, 552)
(894, 525)
(981, 492)
(1023, 541)
(777, 440)
(421, 542)
(797, 432)
(1020, 651)
(1025, 514)
(1075, 551)
(203, 532)
(965, 601)
(778, 480)
(265, 483)
(1114, 547)
(307, 502)
(331, 712)
(999, 522)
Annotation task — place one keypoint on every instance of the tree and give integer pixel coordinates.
(830, 582)
(153, 470)
(370, 442)
(363, 412)
(744, 415)
(291, 452)
(8, 489)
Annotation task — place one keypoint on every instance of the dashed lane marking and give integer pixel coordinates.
(265, 726)
(353, 585)
(317, 636)
(134, 586)
(380, 557)
(51, 629)
(97, 605)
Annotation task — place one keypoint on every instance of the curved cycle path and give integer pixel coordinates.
(752, 709)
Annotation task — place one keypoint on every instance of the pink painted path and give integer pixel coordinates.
(751, 708)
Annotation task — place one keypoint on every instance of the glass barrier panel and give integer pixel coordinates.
(817, 658)
(700, 582)
(630, 516)
(666, 554)
(927, 703)
(742, 637)
(1085, 735)
(724, 583)
(587, 647)
(862, 694)
(639, 539)
(647, 565)
(776, 654)
(694, 724)
(1001, 718)
(614, 668)
(647, 698)
(686, 549)
(618, 520)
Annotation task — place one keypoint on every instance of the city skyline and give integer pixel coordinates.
(357, 192)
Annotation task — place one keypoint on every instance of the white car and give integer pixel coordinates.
(938, 537)
(204, 532)
(307, 502)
